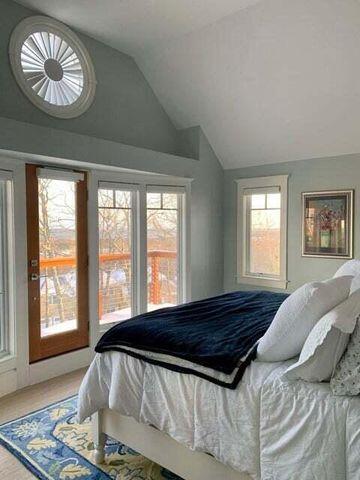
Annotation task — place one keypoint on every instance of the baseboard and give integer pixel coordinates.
(8, 382)
(53, 367)
(11, 380)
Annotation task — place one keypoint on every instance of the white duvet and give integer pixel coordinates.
(269, 427)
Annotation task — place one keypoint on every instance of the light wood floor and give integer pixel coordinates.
(25, 401)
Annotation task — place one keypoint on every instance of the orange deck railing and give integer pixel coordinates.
(154, 256)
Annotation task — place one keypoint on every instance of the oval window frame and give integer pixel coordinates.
(40, 23)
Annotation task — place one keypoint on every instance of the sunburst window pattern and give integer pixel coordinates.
(52, 68)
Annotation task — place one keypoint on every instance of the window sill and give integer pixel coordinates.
(263, 282)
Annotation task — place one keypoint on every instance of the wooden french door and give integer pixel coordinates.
(57, 261)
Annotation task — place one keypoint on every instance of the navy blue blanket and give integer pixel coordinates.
(215, 333)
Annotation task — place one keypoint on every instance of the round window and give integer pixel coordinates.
(52, 67)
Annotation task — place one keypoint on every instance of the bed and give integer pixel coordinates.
(265, 427)
(309, 431)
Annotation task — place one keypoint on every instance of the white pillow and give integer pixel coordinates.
(326, 342)
(351, 267)
(346, 379)
(297, 316)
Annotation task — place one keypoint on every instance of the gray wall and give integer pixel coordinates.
(31, 141)
(309, 175)
(207, 225)
(125, 108)
(125, 127)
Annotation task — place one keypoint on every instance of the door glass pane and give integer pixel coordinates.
(162, 249)
(115, 264)
(58, 265)
(264, 236)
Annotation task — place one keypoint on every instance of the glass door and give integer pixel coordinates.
(141, 248)
(57, 261)
(116, 204)
(164, 246)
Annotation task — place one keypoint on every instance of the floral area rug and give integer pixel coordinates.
(53, 446)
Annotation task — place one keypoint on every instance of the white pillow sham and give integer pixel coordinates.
(351, 267)
(297, 316)
(346, 379)
(326, 342)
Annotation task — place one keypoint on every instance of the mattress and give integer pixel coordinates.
(268, 427)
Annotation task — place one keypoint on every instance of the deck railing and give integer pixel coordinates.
(161, 271)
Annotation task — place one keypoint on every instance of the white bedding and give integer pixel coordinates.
(269, 427)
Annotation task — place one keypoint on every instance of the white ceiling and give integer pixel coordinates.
(132, 24)
(274, 82)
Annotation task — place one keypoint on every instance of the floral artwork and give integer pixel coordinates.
(53, 446)
(327, 224)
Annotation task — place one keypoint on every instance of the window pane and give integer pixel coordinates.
(273, 200)
(162, 252)
(106, 198)
(258, 201)
(122, 199)
(169, 200)
(57, 242)
(115, 266)
(153, 200)
(265, 242)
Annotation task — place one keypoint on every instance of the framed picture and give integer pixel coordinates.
(328, 224)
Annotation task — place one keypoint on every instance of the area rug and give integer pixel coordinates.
(53, 446)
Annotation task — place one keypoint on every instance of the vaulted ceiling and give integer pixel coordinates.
(268, 81)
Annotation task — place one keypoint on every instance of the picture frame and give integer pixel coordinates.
(327, 224)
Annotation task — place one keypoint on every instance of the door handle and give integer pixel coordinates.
(34, 277)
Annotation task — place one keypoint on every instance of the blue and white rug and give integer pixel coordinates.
(54, 447)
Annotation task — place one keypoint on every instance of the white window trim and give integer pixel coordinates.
(17, 355)
(9, 280)
(46, 24)
(242, 248)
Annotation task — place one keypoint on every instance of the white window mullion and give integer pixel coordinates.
(142, 251)
(134, 252)
(180, 248)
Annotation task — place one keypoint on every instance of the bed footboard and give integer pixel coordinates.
(158, 447)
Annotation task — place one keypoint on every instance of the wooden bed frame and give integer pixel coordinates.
(158, 447)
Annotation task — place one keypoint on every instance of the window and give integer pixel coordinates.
(262, 207)
(164, 211)
(57, 261)
(116, 222)
(52, 67)
(6, 262)
(141, 238)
